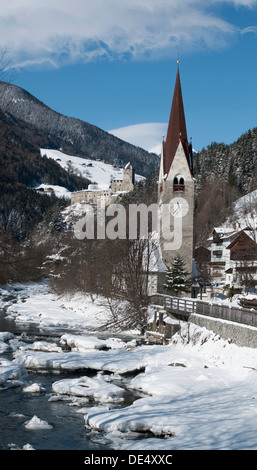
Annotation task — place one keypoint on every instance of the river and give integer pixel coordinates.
(17, 407)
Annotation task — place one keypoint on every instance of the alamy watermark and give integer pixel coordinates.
(115, 221)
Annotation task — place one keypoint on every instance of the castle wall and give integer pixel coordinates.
(108, 196)
(92, 197)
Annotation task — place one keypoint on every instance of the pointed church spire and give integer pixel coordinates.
(176, 129)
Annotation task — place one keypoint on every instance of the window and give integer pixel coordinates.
(178, 183)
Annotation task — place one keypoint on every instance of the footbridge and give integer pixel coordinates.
(233, 323)
(183, 308)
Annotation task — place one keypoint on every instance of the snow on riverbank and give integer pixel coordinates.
(10, 373)
(37, 303)
(99, 388)
(202, 395)
(197, 392)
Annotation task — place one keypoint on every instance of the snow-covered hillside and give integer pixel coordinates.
(96, 171)
(244, 212)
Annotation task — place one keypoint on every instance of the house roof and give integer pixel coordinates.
(241, 241)
(223, 230)
(177, 131)
(229, 232)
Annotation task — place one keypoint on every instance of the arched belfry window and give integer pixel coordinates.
(179, 183)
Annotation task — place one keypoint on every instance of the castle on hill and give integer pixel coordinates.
(108, 196)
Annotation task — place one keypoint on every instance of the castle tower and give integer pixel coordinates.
(176, 186)
(128, 181)
(128, 178)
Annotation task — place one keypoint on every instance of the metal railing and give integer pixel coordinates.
(185, 307)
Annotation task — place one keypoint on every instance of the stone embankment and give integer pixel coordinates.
(242, 335)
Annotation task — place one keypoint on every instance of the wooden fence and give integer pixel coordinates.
(186, 307)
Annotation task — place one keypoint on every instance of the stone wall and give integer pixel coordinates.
(241, 335)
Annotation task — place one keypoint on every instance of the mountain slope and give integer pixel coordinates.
(20, 160)
(22, 167)
(71, 135)
(235, 164)
(96, 171)
(244, 213)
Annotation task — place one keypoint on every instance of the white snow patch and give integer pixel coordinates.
(10, 372)
(45, 346)
(83, 343)
(58, 191)
(99, 388)
(34, 388)
(36, 424)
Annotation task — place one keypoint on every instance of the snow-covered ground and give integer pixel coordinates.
(197, 392)
(59, 191)
(244, 213)
(96, 171)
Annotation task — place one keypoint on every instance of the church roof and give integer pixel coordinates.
(176, 129)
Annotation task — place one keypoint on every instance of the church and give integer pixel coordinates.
(176, 185)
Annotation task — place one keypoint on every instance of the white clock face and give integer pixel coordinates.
(178, 207)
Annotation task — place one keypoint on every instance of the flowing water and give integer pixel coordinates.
(17, 407)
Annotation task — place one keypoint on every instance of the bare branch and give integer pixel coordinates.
(6, 71)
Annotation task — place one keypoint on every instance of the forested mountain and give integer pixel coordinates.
(21, 168)
(72, 135)
(235, 164)
(223, 173)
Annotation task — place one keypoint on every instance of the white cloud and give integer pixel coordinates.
(249, 29)
(61, 31)
(147, 136)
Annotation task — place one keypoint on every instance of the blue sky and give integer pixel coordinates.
(112, 63)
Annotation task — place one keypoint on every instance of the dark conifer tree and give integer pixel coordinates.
(177, 278)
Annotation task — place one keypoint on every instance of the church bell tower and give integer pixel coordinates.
(176, 186)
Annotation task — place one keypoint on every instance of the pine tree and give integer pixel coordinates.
(177, 279)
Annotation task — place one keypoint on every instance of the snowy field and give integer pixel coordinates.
(198, 392)
(96, 171)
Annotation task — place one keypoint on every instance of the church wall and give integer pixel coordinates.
(179, 168)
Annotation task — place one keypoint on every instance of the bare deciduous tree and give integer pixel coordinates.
(6, 72)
